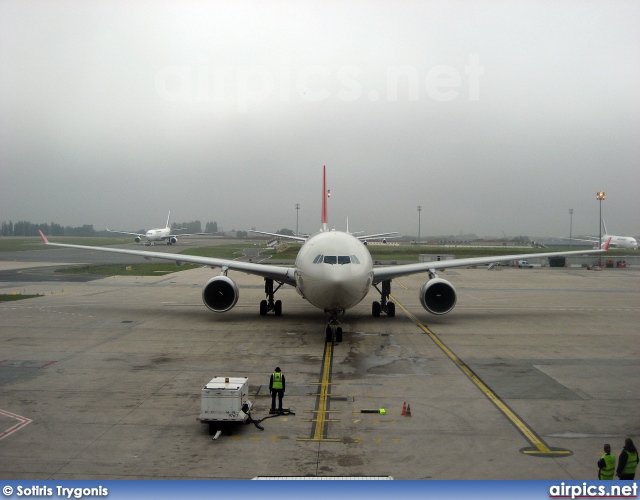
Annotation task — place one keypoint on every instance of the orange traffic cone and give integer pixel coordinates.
(408, 413)
(404, 409)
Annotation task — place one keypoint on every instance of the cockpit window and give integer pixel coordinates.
(340, 259)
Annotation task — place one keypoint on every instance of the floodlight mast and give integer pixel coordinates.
(600, 196)
(570, 227)
(419, 210)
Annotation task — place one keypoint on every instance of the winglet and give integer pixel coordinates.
(606, 245)
(44, 238)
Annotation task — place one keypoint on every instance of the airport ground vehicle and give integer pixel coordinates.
(523, 264)
(223, 402)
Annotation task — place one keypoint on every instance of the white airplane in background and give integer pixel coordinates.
(615, 241)
(333, 271)
(153, 235)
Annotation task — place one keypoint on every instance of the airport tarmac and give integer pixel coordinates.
(527, 378)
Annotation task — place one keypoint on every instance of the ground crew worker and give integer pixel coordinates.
(276, 387)
(627, 461)
(607, 464)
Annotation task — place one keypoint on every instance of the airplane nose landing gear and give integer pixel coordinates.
(333, 332)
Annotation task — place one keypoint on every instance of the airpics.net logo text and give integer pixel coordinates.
(248, 85)
(591, 490)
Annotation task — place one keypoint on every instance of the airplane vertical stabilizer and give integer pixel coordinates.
(325, 195)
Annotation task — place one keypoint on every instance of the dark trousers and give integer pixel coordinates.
(280, 393)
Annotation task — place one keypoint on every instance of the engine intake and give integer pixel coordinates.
(173, 240)
(220, 294)
(438, 296)
(137, 239)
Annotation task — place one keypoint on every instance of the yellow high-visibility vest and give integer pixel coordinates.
(632, 463)
(609, 467)
(277, 380)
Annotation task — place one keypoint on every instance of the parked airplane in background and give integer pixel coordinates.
(333, 271)
(616, 241)
(153, 235)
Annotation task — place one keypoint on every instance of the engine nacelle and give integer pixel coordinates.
(220, 294)
(438, 296)
(138, 239)
(173, 240)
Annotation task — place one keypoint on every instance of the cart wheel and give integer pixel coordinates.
(212, 429)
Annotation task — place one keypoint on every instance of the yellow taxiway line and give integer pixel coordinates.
(323, 398)
(538, 446)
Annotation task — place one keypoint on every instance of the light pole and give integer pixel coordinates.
(600, 197)
(419, 210)
(297, 212)
(570, 226)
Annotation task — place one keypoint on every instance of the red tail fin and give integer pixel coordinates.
(325, 195)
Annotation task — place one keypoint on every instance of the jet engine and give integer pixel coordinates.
(438, 296)
(220, 294)
(138, 239)
(173, 240)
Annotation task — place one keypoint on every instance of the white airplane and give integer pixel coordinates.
(153, 235)
(615, 241)
(333, 271)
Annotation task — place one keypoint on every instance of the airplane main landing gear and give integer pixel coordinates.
(269, 304)
(385, 305)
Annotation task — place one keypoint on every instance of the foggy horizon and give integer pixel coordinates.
(494, 118)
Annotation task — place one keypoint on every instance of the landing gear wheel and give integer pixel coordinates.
(263, 308)
(376, 309)
(329, 334)
(391, 309)
(277, 307)
(339, 334)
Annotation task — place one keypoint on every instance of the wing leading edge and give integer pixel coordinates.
(390, 272)
(284, 274)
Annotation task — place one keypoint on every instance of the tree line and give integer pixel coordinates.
(26, 228)
(195, 227)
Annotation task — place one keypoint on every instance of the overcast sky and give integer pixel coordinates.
(494, 117)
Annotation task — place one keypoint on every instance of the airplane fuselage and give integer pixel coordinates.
(619, 241)
(334, 271)
(157, 234)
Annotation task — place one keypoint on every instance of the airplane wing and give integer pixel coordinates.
(390, 272)
(278, 273)
(380, 235)
(296, 238)
(185, 234)
(131, 234)
(590, 239)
